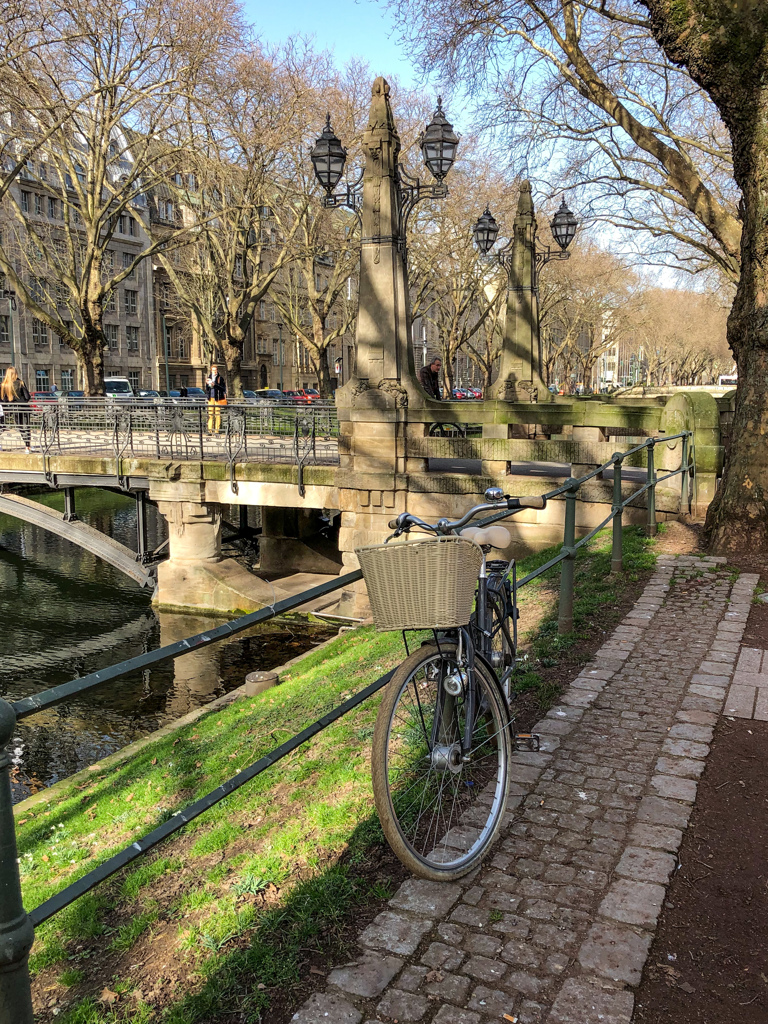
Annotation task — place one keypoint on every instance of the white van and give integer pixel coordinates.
(118, 387)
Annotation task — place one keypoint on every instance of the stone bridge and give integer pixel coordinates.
(385, 453)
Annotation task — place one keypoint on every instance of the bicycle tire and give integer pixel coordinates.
(469, 799)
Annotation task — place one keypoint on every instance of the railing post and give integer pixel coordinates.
(651, 499)
(685, 501)
(16, 931)
(617, 551)
(565, 614)
(200, 431)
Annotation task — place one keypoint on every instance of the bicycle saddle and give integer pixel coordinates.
(491, 536)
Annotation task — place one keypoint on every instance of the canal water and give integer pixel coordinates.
(65, 613)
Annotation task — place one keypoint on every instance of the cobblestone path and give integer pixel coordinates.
(556, 926)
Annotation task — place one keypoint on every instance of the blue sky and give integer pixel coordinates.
(350, 28)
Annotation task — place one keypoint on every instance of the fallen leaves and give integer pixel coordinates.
(108, 997)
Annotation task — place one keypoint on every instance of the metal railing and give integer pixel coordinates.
(17, 926)
(180, 429)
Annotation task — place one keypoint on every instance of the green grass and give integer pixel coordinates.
(272, 873)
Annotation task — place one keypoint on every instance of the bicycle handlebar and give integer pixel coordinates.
(405, 520)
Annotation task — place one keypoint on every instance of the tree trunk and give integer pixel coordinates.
(233, 358)
(323, 373)
(737, 519)
(90, 360)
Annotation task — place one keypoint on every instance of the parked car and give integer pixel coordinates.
(148, 395)
(39, 399)
(313, 394)
(460, 393)
(475, 392)
(251, 397)
(299, 397)
(118, 387)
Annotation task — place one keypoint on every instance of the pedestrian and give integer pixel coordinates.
(429, 378)
(216, 393)
(13, 391)
(183, 393)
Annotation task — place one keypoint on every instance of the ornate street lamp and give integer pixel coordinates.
(438, 142)
(485, 231)
(328, 157)
(563, 226)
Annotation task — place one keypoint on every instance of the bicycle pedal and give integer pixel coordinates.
(527, 741)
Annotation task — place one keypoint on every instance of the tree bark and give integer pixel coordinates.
(724, 47)
(233, 358)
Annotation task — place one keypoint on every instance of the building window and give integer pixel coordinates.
(67, 380)
(181, 345)
(25, 202)
(111, 334)
(238, 266)
(165, 210)
(108, 260)
(126, 224)
(131, 302)
(38, 205)
(37, 289)
(110, 306)
(53, 208)
(134, 379)
(5, 330)
(132, 338)
(42, 380)
(127, 261)
(262, 309)
(275, 352)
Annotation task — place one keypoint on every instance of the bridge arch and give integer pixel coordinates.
(79, 533)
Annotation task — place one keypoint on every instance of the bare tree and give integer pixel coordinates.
(583, 86)
(128, 90)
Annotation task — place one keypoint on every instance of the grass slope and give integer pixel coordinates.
(225, 916)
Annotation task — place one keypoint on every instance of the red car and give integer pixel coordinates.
(39, 399)
(299, 397)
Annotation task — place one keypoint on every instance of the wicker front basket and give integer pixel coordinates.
(421, 584)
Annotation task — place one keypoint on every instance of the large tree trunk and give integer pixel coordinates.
(90, 360)
(323, 373)
(233, 358)
(737, 520)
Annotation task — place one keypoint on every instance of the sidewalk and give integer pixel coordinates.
(556, 926)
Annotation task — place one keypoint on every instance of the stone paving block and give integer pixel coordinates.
(583, 1002)
(484, 945)
(684, 766)
(475, 917)
(685, 748)
(395, 933)
(439, 956)
(402, 1005)
(633, 902)
(579, 698)
(689, 731)
(484, 968)
(411, 978)
(492, 1002)
(713, 692)
(450, 987)
(675, 788)
(657, 836)
(367, 977)
(655, 810)
(761, 706)
(615, 952)
(697, 717)
(646, 865)
(427, 899)
(450, 933)
(522, 954)
(324, 1007)
(453, 1015)
(740, 702)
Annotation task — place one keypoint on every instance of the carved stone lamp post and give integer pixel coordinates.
(383, 197)
(520, 369)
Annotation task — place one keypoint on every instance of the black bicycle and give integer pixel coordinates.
(444, 732)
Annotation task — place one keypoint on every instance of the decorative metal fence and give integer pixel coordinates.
(17, 926)
(181, 429)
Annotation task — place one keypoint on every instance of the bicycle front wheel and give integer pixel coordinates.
(440, 807)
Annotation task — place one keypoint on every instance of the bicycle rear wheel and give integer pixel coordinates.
(440, 811)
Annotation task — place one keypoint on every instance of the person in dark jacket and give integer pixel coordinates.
(216, 393)
(13, 391)
(429, 378)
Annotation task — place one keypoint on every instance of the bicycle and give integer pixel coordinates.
(444, 732)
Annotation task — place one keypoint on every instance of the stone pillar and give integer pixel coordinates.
(591, 436)
(194, 530)
(519, 370)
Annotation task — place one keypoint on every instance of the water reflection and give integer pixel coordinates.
(65, 614)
